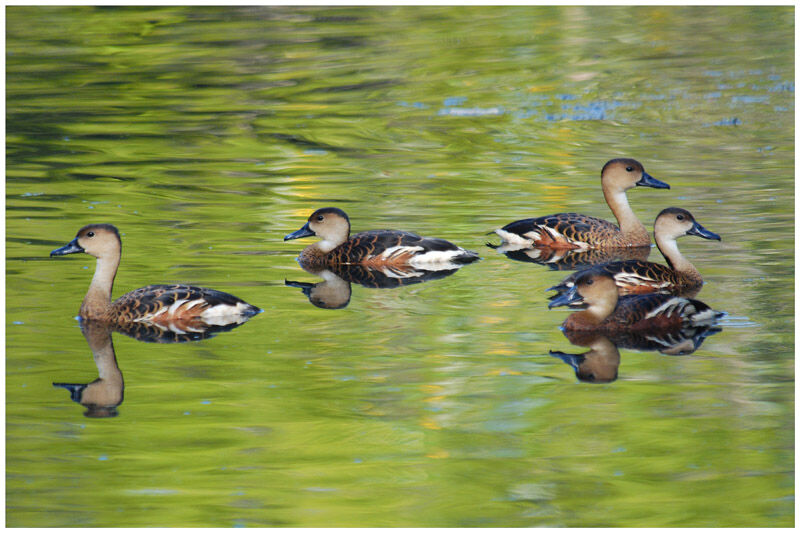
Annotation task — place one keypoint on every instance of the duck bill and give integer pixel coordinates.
(305, 231)
(573, 360)
(700, 231)
(649, 181)
(72, 248)
(570, 297)
(75, 390)
(302, 285)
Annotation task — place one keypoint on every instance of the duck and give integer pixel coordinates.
(605, 311)
(376, 248)
(153, 303)
(576, 231)
(678, 276)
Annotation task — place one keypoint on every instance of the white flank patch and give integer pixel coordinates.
(394, 251)
(704, 318)
(436, 259)
(221, 315)
(513, 238)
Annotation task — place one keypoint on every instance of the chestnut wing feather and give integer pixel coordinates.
(574, 226)
(150, 299)
(373, 243)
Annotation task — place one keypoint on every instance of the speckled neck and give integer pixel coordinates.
(314, 256)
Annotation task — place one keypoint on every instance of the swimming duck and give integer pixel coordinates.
(377, 248)
(573, 230)
(678, 276)
(604, 310)
(154, 303)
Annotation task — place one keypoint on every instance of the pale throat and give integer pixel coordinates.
(99, 294)
(599, 311)
(669, 249)
(326, 245)
(628, 223)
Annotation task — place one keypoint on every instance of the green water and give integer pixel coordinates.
(207, 134)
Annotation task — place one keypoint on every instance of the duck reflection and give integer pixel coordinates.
(335, 290)
(601, 363)
(570, 259)
(102, 396)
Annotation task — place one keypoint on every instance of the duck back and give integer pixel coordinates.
(391, 247)
(642, 277)
(563, 230)
(658, 311)
(164, 303)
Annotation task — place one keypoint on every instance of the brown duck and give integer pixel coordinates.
(154, 303)
(377, 248)
(605, 311)
(573, 230)
(678, 276)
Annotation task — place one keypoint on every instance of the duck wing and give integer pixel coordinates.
(569, 230)
(155, 303)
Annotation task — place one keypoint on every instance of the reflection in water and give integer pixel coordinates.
(598, 365)
(601, 363)
(565, 259)
(102, 396)
(172, 331)
(334, 292)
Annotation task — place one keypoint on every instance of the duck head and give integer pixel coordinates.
(624, 174)
(674, 222)
(98, 240)
(593, 290)
(330, 223)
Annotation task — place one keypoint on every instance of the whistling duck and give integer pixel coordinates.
(605, 310)
(377, 248)
(154, 303)
(573, 230)
(678, 276)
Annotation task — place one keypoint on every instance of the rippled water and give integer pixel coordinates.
(207, 134)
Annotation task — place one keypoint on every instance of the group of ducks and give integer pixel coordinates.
(621, 295)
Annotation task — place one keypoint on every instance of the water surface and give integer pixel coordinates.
(207, 134)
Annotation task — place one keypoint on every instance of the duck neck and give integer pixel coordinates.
(98, 298)
(593, 316)
(669, 249)
(629, 225)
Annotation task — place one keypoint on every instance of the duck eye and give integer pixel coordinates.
(320, 217)
(90, 234)
(629, 169)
